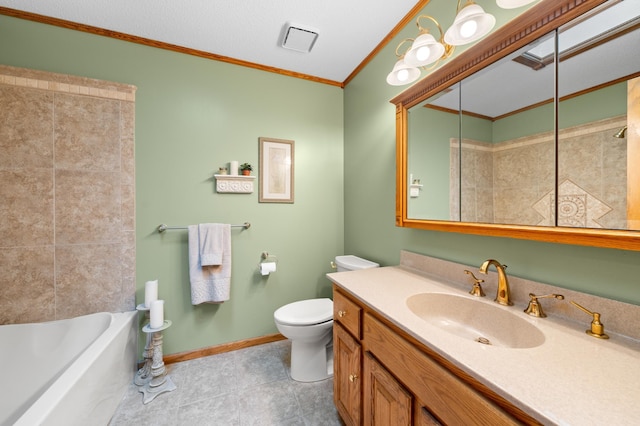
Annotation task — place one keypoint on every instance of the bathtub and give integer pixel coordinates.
(67, 372)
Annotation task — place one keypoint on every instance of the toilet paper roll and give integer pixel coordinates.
(267, 267)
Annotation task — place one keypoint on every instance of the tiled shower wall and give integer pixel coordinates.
(67, 196)
(513, 182)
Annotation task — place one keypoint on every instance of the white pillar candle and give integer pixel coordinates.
(150, 292)
(157, 314)
(233, 168)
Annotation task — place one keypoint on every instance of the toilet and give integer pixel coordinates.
(309, 326)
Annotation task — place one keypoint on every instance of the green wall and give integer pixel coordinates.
(193, 116)
(370, 199)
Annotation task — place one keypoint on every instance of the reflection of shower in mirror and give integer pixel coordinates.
(620, 134)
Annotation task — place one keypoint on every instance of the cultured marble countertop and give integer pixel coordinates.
(571, 379)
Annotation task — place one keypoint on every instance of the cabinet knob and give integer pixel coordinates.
(341, 314)
(353, 377)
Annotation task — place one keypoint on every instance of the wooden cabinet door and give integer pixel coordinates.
(347, 375)
(386, 402)
(425, 418)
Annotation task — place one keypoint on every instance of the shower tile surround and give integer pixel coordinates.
(512, 182)
(67, 196)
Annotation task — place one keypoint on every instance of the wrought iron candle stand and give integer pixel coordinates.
(152, 379)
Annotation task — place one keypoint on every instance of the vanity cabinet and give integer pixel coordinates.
(386, 401)
(384, 376)
(347, 360)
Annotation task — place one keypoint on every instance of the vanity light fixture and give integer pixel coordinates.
(425, 49)
(470, 24)
(402, 73)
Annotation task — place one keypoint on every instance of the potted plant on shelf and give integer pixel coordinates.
(245, 169)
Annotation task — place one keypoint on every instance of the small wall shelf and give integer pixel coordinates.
(237, 184)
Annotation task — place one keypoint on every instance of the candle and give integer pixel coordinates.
(157, 314)
(150, 292)
(233, 168)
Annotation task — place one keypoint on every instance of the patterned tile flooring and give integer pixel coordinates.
(245, 387)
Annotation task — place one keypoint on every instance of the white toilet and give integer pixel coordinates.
(309, 325)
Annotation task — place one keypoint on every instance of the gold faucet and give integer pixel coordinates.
(503, 294)
(476, 290)
(534, 308)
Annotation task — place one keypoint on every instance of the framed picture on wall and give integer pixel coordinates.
(276, 171)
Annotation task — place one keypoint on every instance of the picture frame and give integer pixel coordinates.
(276, 170)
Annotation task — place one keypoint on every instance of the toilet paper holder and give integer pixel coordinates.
(266, 257)
(268, 263)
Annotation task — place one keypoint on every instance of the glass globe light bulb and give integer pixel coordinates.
(469, 28)
(423, 53)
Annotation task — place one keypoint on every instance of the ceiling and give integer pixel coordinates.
(247, 30)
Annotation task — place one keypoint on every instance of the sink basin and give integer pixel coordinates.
(474, 320)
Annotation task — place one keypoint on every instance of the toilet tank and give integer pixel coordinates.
(351, 263)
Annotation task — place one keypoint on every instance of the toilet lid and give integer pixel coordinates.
(352, 263)
(305, 312)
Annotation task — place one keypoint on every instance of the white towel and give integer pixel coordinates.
(210, 283)
(212, 239)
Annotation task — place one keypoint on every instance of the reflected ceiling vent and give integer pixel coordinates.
(299, 38)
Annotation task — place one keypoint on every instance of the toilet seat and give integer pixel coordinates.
(305, 312)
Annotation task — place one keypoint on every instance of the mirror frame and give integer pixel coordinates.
(537, 21)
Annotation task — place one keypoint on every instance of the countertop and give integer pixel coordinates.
(571, 379)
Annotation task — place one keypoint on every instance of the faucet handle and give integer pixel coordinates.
(476, 290)
(534, 308)
(597, 328)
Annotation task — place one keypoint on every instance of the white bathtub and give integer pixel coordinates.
(67, 372)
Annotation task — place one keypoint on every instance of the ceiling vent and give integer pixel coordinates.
(298, 38)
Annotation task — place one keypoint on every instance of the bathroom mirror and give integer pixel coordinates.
(489, 144)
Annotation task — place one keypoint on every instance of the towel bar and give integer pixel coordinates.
(162, 227)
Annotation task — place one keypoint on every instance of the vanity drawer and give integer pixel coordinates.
(347, 313)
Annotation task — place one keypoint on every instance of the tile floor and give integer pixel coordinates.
(246, 387)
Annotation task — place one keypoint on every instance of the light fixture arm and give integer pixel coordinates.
(426, 30)
(448, 49)
(406, 40)
(468, 3)
(470, 24)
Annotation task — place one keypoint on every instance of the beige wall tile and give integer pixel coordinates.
(26, 118)
(88, 279)
(128, 210)
(87, 207)
(87, 133)
(26, 207)
(27, 284)
(128, 254)
(127, 144)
